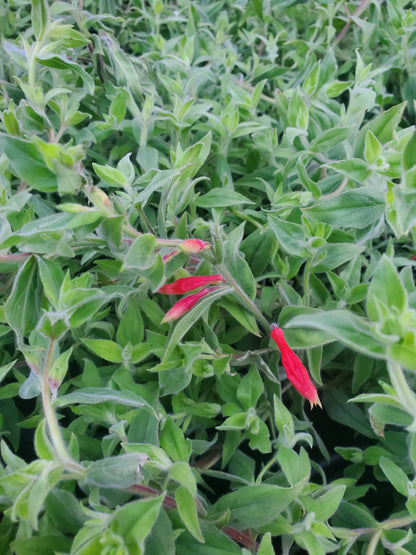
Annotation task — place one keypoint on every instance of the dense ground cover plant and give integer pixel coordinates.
(174, 178)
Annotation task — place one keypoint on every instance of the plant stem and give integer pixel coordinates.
(306, 282)
(363, 5)
(242, 295)
(372, 546)
(52, 421)
(247, 218)
(266, 467)
(31, 71)
(405, 394)
(337, 191)
(386, 525)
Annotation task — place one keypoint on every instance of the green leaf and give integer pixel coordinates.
(290, 236)
(217, 198)
(161, 540)
(250, 388)
(22, 308)
(386, 290)
(266, 547)
(382, 126)
(338, 408)
(172, 440)
(236, 265)
(51, 276)
(29, 503)
(60, 62)
(326, 504)
(409, 154)
(353, 516)
(245, 318)
(134, 521)
(59, 368)
(335, 88)
(345, 326)
(189, 319)
(112, 176)
(47, 544)
(258, 6)
(96, 395)
(395, 475)
(193, 157)
(354, 169)
(187, 510)
(11, 123)
(298, 115)
(358, 208)
(307, 182)
(160, 181)
(27, 163)
(297, 468)
(330, 138)
(389, 413)
(43, 446)
(141, 255)
(131, 328)
(335, 254)
(40, 17)
(64, 511)
(283, 419)
(372, 148)
(108, 350)
(216, 542)
(119, 104)
(181, 472)
(118, 472)
(4, 370)
(254, 506)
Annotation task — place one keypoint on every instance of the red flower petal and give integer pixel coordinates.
(183, 285)
(295, 371)
(183, 305)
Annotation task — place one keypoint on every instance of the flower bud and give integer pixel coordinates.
(194, 245)
(183, 285)
(295, 371)
(183, 305)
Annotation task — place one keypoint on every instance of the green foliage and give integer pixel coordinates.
(279, 136)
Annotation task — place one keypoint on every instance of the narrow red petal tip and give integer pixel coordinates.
(183, 305)
(295, 370)
(317, 401)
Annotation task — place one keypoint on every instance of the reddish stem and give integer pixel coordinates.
(363, 5)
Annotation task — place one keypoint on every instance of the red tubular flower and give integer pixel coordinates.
(183, 285)
(296, 372)
(170, 255)
(194, 245)
(183, 305)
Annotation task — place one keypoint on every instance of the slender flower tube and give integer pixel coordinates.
(183, 285)
(170, 255)
(295, 371)
(194, 245)
(183, 305)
